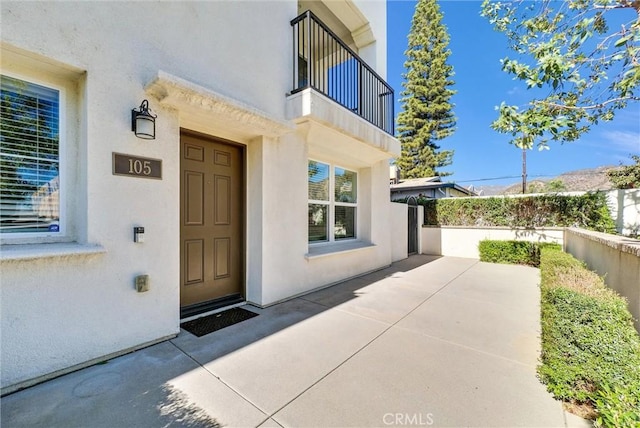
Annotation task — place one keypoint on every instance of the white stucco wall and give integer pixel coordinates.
(376, 53)
(77, 303)
(399, 231)
(616, 258)
(289, 265)
(57, 312)
(463, 241)
(625, 210)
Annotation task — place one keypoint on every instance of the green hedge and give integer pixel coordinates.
(590, 349)
(513, 252)
(588, 211)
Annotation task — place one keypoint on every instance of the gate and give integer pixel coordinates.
(412, 203)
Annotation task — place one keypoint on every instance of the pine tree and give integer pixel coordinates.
(627, 176)
(427, 114)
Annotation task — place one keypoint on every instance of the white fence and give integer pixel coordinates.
(462, 241)
(399, 226)
(625, 210)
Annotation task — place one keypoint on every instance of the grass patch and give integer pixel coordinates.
(590, 349)
(512, 252)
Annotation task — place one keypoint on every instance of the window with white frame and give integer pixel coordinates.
(30, 133)
(333, 202)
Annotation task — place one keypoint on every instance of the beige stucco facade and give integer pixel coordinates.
(222, 69)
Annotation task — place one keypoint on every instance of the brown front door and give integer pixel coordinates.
(211, 220)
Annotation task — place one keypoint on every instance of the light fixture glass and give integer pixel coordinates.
(143, 122)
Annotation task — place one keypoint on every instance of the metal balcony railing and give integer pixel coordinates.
(325, 63)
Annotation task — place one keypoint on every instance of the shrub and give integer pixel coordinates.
(590, 349)
(512, 252)
(618, 406)
(588, 211)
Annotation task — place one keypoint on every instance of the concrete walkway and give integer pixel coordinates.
(426, 342)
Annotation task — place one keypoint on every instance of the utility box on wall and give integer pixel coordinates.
(142, 283)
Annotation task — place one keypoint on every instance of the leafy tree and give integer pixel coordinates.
(584, 70)
(535, 187)
(627, 176)
(554, 186)
(427, 111)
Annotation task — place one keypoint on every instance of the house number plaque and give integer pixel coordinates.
(136, 166)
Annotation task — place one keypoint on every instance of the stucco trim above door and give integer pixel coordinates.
(197, 104)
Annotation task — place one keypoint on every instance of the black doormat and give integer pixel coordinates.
(213, 322)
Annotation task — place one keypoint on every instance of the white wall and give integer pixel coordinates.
(463, 241)
(289, 266)
(78, 303)
(625, 210)
(614, 257)
(399, 231)
(60, 311)
(376, 53)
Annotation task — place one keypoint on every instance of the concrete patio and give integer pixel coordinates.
(426, 342)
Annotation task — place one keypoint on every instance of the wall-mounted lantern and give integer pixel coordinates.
(143, 122)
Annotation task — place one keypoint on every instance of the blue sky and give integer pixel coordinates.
(480, 152)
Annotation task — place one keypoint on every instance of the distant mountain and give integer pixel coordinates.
(490, 190)
(573, 181)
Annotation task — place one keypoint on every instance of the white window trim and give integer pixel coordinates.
(345, 204)
(343, 246)
(331, 204)
(22, 252)
(63, 234)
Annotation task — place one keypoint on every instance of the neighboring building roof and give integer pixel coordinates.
(428, 183)
(411, 183)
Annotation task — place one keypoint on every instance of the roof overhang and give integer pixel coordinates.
(353, 19)
(430, 186)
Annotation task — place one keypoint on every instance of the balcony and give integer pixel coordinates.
(324, 63)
